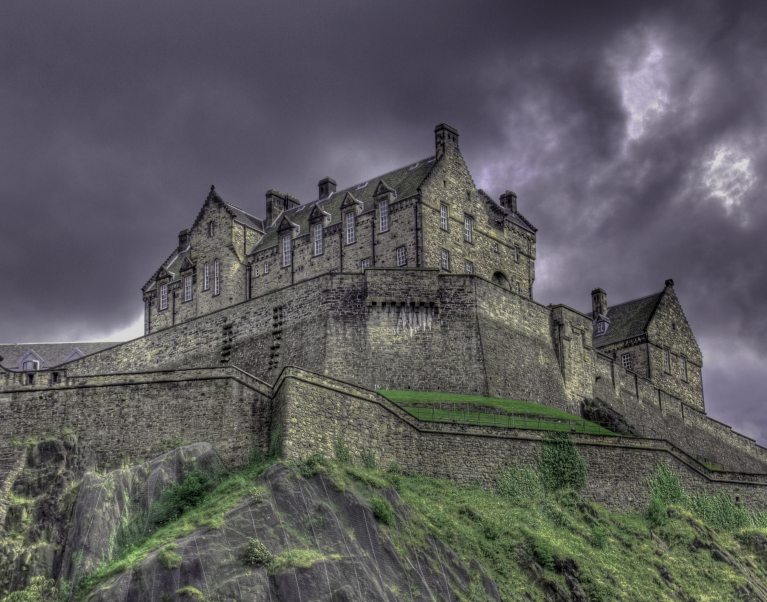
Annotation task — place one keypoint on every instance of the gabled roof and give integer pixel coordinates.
(50, 354)
(515, 218)
(404, 181)
(628, 320)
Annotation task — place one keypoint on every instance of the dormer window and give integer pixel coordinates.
(163, 297)
(30, 365)
(350, 222)
(286, 248)
(383, 216)
(601, 327)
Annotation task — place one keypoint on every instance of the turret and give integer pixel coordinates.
(598, 302)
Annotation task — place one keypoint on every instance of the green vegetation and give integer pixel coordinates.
(435, 406)
(41, 589)
(560, 465)
(181, 497)
(257, 554)
(300, 559)
(190, 592)
(169, 558)
(382, 510)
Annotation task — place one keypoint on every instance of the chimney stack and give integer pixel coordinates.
(598, 302)
(327, 187)
(183, 240)
(509, 201)
(670, 283)
(445, 137)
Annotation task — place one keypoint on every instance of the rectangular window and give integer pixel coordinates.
(516, 253)
(205, 276)
(286, 246)
(443, 216)
(188, 288)
(266, 267)
(468, 228)
(317, 234)
(349, 224)
(383, 216)
(401, 256)
(164, 297)
(601, 327)
(365, 263)
(469, 267)
(685, 374)
(445, 260)
(667, 360)
(216, 277)
(626, 361)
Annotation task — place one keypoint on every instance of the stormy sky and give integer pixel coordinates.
(634, 134)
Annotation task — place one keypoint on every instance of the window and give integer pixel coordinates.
(516, 253)
(469, 267)
(667, 360)
(626, 361)
(401, 256)
(365, 263)
(317, 234)
(496, 248)
(55, 378)
(206, 276)
(685, 374)
(445, 260)
(517, 287)
(211, 228)
(266, 267)
(163, 296)
(383, 216)
(349, 223)
(468, 228)
(286, 250)
(443, 216)
(601, 327)
(31, 365)
(255, 269)
(188, 288)
(216, 277)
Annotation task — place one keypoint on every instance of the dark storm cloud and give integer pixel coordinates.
(634, 133)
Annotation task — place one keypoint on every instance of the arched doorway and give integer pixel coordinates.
(500, 279)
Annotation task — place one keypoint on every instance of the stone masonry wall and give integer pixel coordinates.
(316, 412)
(139, 416)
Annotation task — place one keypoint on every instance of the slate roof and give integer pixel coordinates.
(51, 354)
(405, 182)
(628, 320)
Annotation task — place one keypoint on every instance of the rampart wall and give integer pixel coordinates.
(138, 416)
(315, 412)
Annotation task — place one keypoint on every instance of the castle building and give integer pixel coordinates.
(411, 217)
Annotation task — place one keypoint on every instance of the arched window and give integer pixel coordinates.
(500, 279)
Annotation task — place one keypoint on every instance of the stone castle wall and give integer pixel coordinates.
(138, 416)
(316, 412)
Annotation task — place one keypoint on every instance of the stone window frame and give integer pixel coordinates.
(516, 253)
(318, 242)
(444, 217)
(401, 256)
(685, 370)
(468, 228)
(162, 301)
(266, 268)
(216, 277)
(206, 276)
(468, 266)
(188, 287)
(365, 263)
(627, 361)
(286, 250)
(600, 328)
(383, 215)
(667, 361)
(444, 259)
(211, 229)
(350, 227)
(30, 365)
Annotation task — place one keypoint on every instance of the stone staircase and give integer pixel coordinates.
(12, 460)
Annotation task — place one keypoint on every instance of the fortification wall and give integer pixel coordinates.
(656, 414)
(386, 328)
(139, 416)
(315, 412)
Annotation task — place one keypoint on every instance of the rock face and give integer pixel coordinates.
(293, 517)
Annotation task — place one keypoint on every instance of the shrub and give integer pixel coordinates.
(169, 558)
(519, 484)
(666, 486)
(719, 511)
(40, 589)
(181, 497)
(656, 513)
(382, 510)
(190, 592)
(560, 464)
(369, 459)
(543, 554)
(342, 452)
(257, 554)
(314, 464)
